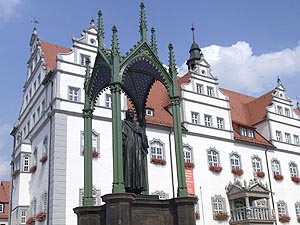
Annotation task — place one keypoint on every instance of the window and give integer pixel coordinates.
(34, 211)
(213, 157)
(84, 59)
(235, 161)
(287, 111)
(108, 100)
(297, 208)
(210, 91)
(38, 111)
(30, 93)
(28, 126)
(157, 149)
(256, 164)
(34, 86)
(218, 204)
(45, 145)
(208, 120)
(73, 94)
(287, 138)
(220, 123)
(26, 159)
(276, 166)
(282, 208)
(26, 98)
(278, 135)
(293, 169)
(96, 196)
(23, 215)
(279, 110)
(199, 88)
(150, 112)
(187, 154)
(247, 132)
(43, 106)
(43, 202)
(296, 139)
(39, 79)
(33, 118)
(195, 118)
(1, 208)
(95, 142)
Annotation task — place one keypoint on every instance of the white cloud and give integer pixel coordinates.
(239, 69)
(8, 9)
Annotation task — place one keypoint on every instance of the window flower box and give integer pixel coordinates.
(284, 218)
(221, 216)
(197, 215)
(40, 216)
(43, 159)
(237, 172)
(32, 169)
(298, 219)
(296, 179)
(189, 165)
(158, 161)
(260, 174)
(278, 177)
(216, 169)
(15, 173)
(30, 220)
(95, 154)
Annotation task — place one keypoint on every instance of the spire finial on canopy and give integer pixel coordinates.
(100, 32)
(153, 41)
(193, 31)
(143, 23)
(115, 44)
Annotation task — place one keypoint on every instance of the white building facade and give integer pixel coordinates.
(228, 138)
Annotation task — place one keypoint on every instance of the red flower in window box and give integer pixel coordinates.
(284, 218)
(278, 177)
(30, 220)
(189, 165)
(237, 172)
(40, 216)
(43, 159)
(158, 161)
(32, 169)
(15, 173)
(298, 219)
(95, 154)
(221, 216)
(216, 169)
(260, 174)
(197, 215)
(296, 179)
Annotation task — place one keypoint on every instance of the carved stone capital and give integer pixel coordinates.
(175, 100)
(87, 113)
(115, 87)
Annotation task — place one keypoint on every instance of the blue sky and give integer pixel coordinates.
(248, 43)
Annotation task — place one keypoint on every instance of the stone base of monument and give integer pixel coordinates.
(130, 209)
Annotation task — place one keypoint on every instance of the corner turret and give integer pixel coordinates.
(195, 53)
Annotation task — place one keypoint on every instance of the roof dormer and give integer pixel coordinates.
(280, 92)
(88, 36)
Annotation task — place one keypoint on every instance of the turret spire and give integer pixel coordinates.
(100, 32)
(153, 41)
(193, 29)
(195, 52)
(143, 23)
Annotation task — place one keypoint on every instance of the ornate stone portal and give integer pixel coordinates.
(134, 74)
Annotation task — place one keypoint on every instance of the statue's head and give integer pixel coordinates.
(130, 114)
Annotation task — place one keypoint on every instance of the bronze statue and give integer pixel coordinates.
(135, 149)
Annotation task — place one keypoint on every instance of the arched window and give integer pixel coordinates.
(157, 149)
(293, 169)
(218, 204)
(256, 164)
(213, 157)
(282, 208)
(187, 153)
(276, 166)
(235, 161)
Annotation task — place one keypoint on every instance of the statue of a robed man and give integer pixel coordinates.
(135, 149)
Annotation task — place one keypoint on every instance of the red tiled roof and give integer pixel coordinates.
(4, 198)
(50, 52)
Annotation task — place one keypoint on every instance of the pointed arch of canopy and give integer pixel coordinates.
(139, 71)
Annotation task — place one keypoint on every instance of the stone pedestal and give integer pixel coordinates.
(130, 209)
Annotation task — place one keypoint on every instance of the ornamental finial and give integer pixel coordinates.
(100, 32)
(115, 44)
(278, 80)
(193, 31)
(143, 23)
(172, 64)
(153, 41)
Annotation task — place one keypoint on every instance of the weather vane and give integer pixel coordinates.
(35, 21)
